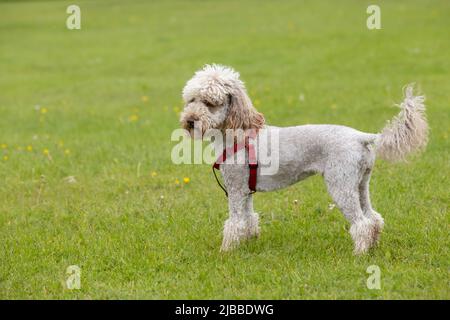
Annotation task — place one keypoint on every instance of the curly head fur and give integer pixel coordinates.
(216, 98)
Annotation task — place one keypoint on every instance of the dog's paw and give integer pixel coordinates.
(362, 233)
(233, 231)
(237, 230)
(253, 226)
(377, 227)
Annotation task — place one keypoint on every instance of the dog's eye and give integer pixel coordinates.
(208, 104)
(192, 100)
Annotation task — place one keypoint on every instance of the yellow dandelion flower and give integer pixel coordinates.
(154, 174)
(67, 152)
(5, 158)
(61, 143)
(177, 181)
(176, 109)
(29, 148)
(291, 25)
(133, 118)
(144, 98)
(4, 146)
(186, 180)
(333, 106)
(46, 152)
(44, 110)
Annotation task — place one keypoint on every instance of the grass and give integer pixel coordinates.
(104, 100)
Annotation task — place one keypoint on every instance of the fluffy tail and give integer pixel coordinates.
(407, 132)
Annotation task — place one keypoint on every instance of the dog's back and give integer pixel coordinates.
(305, 150)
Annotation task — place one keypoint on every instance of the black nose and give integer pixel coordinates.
(190, 124)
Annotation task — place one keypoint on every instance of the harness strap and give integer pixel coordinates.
(253, 166)
(252, 163)
(218, 181)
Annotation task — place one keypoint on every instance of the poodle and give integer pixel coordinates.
(216, 98)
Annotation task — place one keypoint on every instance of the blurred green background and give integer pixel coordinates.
(85, 170)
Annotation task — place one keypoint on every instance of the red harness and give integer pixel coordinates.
(252, 163)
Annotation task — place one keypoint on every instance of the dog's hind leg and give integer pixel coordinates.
(242, 223)
(343, 185)
(369, 212)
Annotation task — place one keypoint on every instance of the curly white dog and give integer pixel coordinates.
(215, 98)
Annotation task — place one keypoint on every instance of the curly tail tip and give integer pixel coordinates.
(408, 132)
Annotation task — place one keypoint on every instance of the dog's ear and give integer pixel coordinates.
(242, 114)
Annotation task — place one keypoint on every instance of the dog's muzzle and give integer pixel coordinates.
(190, 124)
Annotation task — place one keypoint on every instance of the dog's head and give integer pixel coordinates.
(215, 98)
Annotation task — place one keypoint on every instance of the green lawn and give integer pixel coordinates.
(99, 105)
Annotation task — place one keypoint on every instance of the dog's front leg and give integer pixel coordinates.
(253, 219)
(242, 223)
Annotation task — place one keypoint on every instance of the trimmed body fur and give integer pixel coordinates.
(216, 99)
